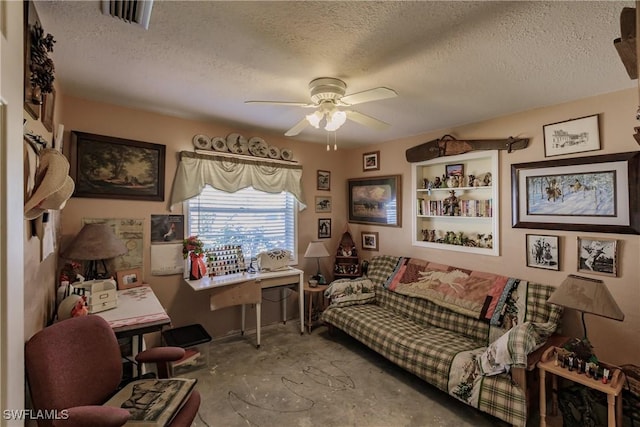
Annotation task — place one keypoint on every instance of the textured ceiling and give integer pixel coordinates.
(451, 63)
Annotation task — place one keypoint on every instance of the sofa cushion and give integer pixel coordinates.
(346, 292)
(381, 267)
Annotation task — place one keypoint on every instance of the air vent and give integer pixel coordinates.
(137, 12)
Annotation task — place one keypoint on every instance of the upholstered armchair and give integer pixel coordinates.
(75, 365)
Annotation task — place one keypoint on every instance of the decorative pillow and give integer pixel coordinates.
(345, 292)
(273, 260)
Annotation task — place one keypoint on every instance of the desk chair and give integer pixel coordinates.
(76, 365)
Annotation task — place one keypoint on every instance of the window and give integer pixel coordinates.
(254, 219)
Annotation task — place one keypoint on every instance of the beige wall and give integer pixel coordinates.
(184, 305)
(617, 342)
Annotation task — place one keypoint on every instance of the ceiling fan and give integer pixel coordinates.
(327, 95)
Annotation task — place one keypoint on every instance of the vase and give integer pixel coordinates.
(197, 266)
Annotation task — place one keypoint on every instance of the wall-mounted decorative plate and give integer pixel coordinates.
(258, 147)
(274, 152)
(219, 143)
(202, 142)
(237, 143)
(286, 154)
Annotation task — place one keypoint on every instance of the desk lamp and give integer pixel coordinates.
(95, 243)
(317, 250)
(586, 295)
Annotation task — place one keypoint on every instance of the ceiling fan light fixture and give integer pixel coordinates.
(314, 118)
(335, 119)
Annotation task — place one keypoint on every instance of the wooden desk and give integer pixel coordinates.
(613, 389)
(246, 288)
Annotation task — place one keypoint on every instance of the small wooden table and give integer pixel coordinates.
(613, 389)
(312, 294)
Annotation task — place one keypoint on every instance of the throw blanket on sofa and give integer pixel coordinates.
(471, 293)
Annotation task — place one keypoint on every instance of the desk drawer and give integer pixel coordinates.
(278, 281)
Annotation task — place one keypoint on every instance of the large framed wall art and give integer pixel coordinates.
(376, 200)
(116, 168)
(594, 193)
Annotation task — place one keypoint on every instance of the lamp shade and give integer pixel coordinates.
(95, 242)
(316, 250)
(586, 295)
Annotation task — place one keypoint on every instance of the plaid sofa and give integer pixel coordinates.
(424, 338)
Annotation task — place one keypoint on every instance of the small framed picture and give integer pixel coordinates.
(542, 252)
(571, 136)
(598, 256)
(323, 204)
(324, 180)
(369, 240)
(371, 161)
(324, 228)
(131, 278)
(455, 170)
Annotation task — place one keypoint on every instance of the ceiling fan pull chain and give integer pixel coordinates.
(328, 148)
(335, 144)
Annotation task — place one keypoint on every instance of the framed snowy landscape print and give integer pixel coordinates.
(595, 193)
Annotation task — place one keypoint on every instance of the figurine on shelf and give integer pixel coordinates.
(444, 181)
(474, 181)
(487, 179)
(453, 182)
(437, 183)
(426, 184)
(451, 204)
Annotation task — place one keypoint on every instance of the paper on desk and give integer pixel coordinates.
(166, 260)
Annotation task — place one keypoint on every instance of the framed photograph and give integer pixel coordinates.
(323, 204)
(127, 279)
(115, 168)
(572, 136)
(324, 180)
(371, 161)
(324, 228)
(48, 104)
(376, 200)
(595, 193)
(369, 240)
(455, 170)
(167, 229)
(598, 256)
(542, 252)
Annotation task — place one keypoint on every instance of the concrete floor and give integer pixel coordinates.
(318, 380)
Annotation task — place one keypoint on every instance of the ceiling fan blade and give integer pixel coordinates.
(297, 128)
(291, 104)
(368, 96)
(365, 120)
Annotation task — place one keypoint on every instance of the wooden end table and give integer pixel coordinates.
(312, 293)
(613, 389)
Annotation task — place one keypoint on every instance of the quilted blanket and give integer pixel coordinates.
(473, 294)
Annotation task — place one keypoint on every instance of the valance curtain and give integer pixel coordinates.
(232, 174)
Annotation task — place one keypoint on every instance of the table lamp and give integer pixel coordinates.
(317, 250)
(586, 295)
(95, 243)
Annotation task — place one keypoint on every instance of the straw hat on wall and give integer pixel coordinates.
(53, 185)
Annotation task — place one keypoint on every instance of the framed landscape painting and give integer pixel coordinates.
(594, 193)
(376, 200)
(116, 168)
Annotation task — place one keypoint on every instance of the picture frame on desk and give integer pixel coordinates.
(127, 279)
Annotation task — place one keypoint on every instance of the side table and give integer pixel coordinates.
(613, 389)
(312, 294)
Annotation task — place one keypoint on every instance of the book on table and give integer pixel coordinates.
(153, 402)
